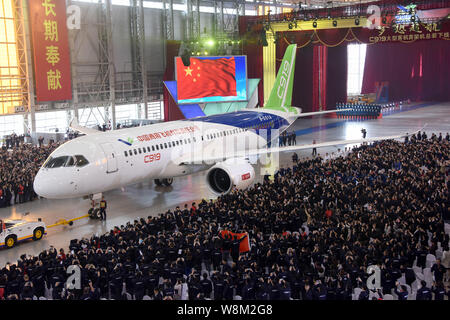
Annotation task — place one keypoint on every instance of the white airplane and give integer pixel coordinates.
(223, 144)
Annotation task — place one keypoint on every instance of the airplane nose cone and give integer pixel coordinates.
(50, 186)
(39, 185)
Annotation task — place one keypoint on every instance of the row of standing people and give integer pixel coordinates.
(288, 139)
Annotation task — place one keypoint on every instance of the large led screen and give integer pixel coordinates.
(212, 79)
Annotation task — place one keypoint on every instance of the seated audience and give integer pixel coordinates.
(384, 201)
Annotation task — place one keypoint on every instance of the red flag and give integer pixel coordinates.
(206, 78)
(244, 246)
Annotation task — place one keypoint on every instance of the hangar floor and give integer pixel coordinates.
(144, 199)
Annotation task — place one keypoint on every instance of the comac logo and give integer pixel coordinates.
(283, 79)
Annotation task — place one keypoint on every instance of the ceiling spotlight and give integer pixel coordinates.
(315, 24)
(357, 22)
(290, 26)
(334, 23)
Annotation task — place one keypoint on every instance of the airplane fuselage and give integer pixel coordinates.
(104, 161)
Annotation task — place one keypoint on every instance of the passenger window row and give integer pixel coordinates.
(177, 143)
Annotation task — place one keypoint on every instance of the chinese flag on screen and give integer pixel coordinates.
(206, 78)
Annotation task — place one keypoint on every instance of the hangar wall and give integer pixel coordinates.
(86, 42)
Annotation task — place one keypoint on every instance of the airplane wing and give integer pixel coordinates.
(307, 114)
(75, 126)
(212, 156)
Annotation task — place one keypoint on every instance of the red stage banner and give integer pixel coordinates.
(51, 50)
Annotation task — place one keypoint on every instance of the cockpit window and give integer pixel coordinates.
(56, 162)
(70, 162)
(80, 161)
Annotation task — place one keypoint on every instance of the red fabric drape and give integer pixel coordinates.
(332, 37)
(315, 79)
(417, 71)
(336, 82)
(306, 80)
(319, 78)
(303, 79)
(254, 53)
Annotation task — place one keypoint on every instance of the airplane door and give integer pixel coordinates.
(111, 157)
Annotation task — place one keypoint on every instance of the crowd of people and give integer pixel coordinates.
(19, 163)
(313, 231)
(13, 140)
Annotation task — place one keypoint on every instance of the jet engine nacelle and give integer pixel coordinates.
(223, 176)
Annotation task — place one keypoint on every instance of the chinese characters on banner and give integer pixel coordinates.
(410, 33)
(51, 50)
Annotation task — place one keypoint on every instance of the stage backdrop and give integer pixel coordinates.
(418, 71)
(420, 76)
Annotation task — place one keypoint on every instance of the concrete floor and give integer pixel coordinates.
(146, 199)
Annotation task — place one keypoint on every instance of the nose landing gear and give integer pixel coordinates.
(94, 211)
(166, 182)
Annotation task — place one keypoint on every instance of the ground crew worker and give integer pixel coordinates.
(103, 206)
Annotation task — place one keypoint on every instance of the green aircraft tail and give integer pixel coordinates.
(281, 95)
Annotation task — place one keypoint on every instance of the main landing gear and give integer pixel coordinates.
(165, 182)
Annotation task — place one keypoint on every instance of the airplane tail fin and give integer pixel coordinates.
(281, 96)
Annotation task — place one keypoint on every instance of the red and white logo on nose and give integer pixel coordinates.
(246, 176)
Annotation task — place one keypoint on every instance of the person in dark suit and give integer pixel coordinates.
(439, 291)
(438, 271)
(206, 285)
(401, 291)
(410, 276)
(307, 292)
(235, 245)
(423, 293)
